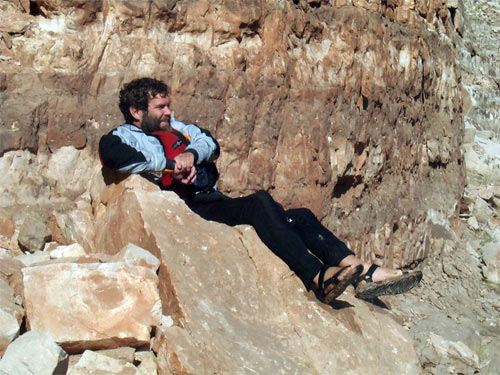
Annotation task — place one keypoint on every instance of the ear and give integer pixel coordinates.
(137, 114)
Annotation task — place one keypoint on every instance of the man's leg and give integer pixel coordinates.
(319, 240)
(269, 220)
(328, 248)
(271, 224)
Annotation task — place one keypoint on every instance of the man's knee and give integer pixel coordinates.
(262, 198)
(301, 214)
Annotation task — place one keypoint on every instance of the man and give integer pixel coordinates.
(181, 157)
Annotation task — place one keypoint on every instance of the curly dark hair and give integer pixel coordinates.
(137, 93)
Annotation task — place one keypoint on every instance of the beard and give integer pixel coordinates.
(151, 124)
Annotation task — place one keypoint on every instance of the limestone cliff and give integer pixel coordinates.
(346, 108)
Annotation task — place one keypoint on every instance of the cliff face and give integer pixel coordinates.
(351, 109)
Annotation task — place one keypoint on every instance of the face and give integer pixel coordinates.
(158, 115)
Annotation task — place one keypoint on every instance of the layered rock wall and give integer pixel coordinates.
(351, 109)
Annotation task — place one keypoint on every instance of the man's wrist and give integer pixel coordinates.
(194, 153)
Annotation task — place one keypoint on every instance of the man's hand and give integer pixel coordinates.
(185, 170)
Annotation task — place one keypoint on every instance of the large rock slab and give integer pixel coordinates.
(34, 353)
(238, 309)
(92, 306)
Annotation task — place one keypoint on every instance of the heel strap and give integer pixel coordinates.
(368, 276)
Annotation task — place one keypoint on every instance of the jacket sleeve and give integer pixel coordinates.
(202, 145)
(118, 154)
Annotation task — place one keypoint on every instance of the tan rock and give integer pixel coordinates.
(6, 228)
(14, 22)
(105, 305)
(92, 363)
(10, 271)
(235, 305)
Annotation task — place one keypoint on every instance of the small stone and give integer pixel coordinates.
(69, 251)
(92, 363)
(135, 255)
(34, 233)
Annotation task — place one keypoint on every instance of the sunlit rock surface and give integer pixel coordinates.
(92, 306)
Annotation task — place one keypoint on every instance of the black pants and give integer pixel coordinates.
(296, 236)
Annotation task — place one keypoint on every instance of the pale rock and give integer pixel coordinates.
(482, 211)
(490, 254)
(10, 271)
(469, 135)
(473, 224)
(34, 232)
(134, 255)
(9, 329)
(106, 305)
(34, 258)
(69, 251)
(486, 192)
(14, 22)
(440, 226)
(457, 356)
(147, 363)
(11, 316)
(69, 168)
(166, 321)
(77, 226)
(92, 363)
(124, 353)
(34, 353)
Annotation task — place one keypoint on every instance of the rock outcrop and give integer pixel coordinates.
(344, 107)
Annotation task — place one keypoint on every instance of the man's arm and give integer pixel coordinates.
(202, 145)
(129, 152)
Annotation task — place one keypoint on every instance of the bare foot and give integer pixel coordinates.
(380, 273)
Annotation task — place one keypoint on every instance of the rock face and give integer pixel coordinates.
(344, 107)
(121, 301)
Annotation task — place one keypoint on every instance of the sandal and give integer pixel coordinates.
(366, 288)
(339, 285)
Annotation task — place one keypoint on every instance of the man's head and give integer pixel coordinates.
(144, 103)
